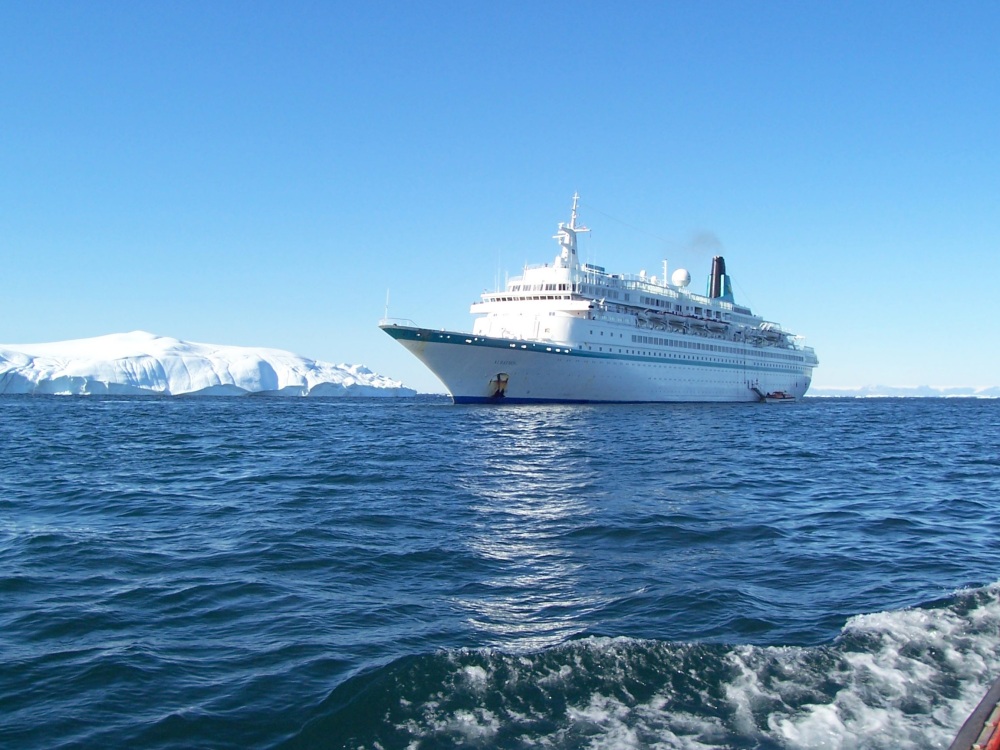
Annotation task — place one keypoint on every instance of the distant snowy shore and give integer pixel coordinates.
(917, 391)
(141, 363)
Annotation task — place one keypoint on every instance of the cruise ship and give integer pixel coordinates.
(571, 332)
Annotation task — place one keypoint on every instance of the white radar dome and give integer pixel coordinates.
(680, 277)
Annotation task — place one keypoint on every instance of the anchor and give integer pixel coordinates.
(498, 386)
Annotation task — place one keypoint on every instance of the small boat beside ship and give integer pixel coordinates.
(779, 397)
(572, 332)
(775, 397)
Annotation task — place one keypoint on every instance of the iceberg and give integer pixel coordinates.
(141, 363)
(898, 391)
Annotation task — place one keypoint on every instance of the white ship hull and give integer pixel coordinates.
(480, 369)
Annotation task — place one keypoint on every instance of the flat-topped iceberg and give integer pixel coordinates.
(141, 363)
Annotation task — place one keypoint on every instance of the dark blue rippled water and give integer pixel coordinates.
(255, 573)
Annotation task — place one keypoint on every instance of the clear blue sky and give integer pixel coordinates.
(260, 174)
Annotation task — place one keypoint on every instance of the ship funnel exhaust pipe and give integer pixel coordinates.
(717, 283)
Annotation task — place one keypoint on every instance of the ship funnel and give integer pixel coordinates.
(719, 285)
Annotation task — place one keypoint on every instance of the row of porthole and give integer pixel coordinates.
(558, 350)
(714, 347)
(687, 357)
(789, 357)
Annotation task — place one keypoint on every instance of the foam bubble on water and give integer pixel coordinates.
(470, 724)
(475, 676)
(556, 676)
(609, 723)
(904, 679)
(601, 712)
(478, 723)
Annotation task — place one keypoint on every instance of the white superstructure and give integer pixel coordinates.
(571, 332)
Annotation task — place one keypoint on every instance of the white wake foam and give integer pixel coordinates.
(904, 680)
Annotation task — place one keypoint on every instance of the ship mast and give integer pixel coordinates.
(567, 240)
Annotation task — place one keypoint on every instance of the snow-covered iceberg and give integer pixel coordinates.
(140, 363)
(916, 391)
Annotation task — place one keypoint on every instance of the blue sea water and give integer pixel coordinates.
(283, 573)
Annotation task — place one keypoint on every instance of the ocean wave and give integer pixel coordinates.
(898, 679)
